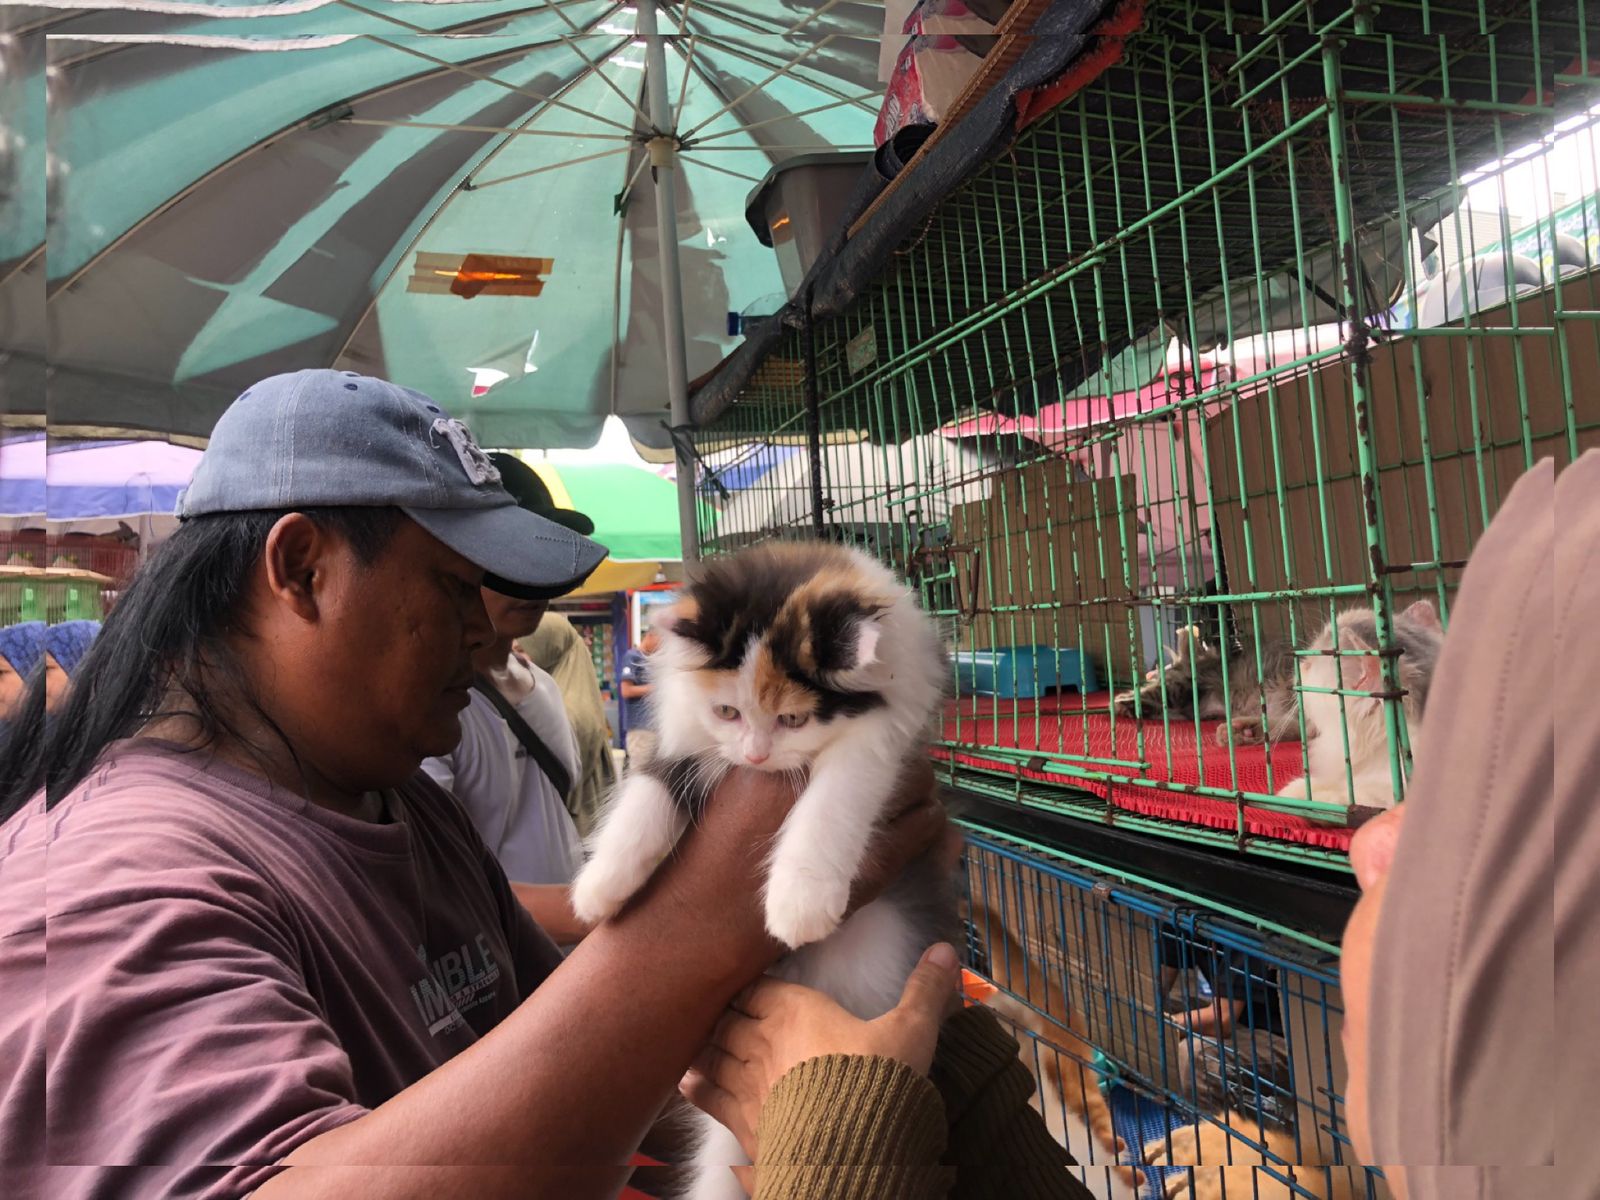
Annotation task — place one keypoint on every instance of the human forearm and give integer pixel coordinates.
(564, 1088)
(550, 904)
(554, 1099)
(634, 691)
(1212, 1020)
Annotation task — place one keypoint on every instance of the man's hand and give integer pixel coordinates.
(1213, 1020)
(773, 1026)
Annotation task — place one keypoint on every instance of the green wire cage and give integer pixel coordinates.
(1256, 329)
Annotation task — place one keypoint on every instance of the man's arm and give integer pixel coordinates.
(564, 1089)
(634, 691)
(1212, 1020)
(550, 905)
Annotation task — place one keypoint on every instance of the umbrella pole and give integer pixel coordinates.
(663, 160)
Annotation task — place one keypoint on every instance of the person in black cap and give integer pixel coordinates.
(281, 960)
(517, 760)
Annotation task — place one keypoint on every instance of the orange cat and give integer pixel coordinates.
(1061, 1053)
(1224, 1167)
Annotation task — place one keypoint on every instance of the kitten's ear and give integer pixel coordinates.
(671, 620)
(1361, 672)
(856, 662)
(1424, 614)
(868, 633)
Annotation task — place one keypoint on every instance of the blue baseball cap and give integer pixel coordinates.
(337, 439)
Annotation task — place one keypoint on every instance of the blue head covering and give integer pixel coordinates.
(69, 641)
(23, 646)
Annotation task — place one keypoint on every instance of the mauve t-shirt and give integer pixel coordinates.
(232, 971)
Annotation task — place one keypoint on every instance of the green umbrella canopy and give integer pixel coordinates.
(240, 189)
(634, 509)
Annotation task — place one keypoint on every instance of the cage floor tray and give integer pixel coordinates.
(985, 733)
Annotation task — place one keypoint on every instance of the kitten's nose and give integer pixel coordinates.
(755, 759)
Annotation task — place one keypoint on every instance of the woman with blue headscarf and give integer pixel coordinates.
(69, 641)
(22, 652)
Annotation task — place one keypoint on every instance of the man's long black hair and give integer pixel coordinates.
(170, 629)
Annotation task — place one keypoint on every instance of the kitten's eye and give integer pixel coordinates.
(726, 712)
(793, 720)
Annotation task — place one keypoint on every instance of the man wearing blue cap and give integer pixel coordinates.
(273, 942)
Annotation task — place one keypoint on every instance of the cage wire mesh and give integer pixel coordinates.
(1255, 330)
(1167, 1041)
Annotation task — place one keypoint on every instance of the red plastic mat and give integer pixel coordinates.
(1070, 724)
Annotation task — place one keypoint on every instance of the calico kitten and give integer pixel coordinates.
(1332, 719)
(791, 658)
(1192, 685)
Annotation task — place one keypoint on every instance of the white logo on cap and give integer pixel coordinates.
(474, 461)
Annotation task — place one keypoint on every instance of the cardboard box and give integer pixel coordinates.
(1041, 563)
(1463, 389)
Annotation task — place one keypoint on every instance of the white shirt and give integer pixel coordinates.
(515, 807)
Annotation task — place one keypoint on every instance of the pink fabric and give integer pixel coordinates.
(1056, 725)
(233, 971)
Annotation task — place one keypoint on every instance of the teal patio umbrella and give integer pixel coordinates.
(532, 212)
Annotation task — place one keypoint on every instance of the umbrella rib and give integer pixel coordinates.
(272, 139)
(422, 232)
(510, 87)
(595, 67)
(779, 72)
(561, 133)
(571, 162)
(739, 51)
(23, 263)
(616, 275)
(793, 116)
(556, 6)
(820, 10)
(688, 69)
(720, 170)
(816, 145)
(721, 93)
(739, 20)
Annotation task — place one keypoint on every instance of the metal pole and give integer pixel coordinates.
(1358, 349)
(813, 417)
(663, 148)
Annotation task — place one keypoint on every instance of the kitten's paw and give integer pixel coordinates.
(601, 889)
(1246, 732)
(1122, 704)
(802, 909)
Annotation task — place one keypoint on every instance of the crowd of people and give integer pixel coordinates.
(299, 822)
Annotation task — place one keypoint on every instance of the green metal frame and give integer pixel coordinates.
(1249, 170)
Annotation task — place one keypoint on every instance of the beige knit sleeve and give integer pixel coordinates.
(845, 1127)
(851, 1127)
